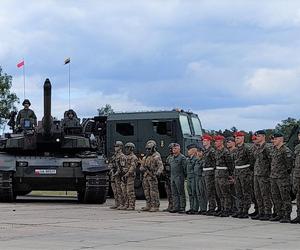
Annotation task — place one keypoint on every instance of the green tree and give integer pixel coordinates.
(286, 126)
(7, 98)
(105, 110)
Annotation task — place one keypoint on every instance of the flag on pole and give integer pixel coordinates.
(21, 64)
(67, 60)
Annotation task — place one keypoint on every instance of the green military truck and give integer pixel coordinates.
(164, 127)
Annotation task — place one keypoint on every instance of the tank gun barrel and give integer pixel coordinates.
(47, 119)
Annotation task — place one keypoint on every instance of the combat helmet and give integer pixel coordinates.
(129, 147)
(26, 101)
(119, 144)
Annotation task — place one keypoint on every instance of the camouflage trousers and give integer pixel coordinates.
(128, 192)
(296, 188)
(169, 193)
(120, 195)
(243, 188)
(280, 188)
(223, 192)
(178, 192)
(150, 186)
(113, 187)
(201, 192)
(262, 190)
(211, 191)
(234, 200)
(191, 188)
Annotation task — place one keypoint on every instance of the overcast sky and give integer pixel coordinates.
(235, 63)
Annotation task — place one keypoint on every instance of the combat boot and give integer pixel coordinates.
(276, 218)
(243, 216)
(296, 220)
(121, 207)
(113, 207)
(257, 217)
(147, 208)
(286, 218)
(154, 209)
(236, 215)
(266, 217)
(224, 214)
(130, 208)
(173, 211)
(181, 211)
(254, 213)
(210, 212)
(217, 213)
(202, 212)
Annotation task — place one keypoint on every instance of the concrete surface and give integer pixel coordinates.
(64, 224)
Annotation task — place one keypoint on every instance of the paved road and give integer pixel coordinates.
(65, 224)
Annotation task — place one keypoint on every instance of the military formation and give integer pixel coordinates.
(223, 177)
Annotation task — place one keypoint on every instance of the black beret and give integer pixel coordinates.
(228, 139)
(193, 145)
(277, 134)
(260, 132)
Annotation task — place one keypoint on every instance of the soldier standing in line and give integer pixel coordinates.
(167, 177)
(262, 168)
(118, 162)
(242, 174)
(223, 172)
(200, 184)
(209, 173)
(129, 176)
(230, 144)
(281, 167)
(191, 180)
(152, 167)
(112, 170)
(178, 172)
(296, 180)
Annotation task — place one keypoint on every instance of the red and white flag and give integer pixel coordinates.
(21, 64)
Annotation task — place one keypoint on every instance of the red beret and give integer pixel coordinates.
(219, 138)
(206, 137)
(239, 133)
(253, 137)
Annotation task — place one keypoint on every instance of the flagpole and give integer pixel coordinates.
(69, 85)
(24, 77)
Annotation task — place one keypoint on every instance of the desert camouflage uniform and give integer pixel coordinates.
(281, 167)
(120, 162)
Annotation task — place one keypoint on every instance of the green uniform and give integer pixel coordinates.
(178, 168)
(26, 114)
(167, 176)
(296, 177)
(191, 183)
(200, 185)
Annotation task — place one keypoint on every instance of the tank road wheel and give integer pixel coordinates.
(6, 187)
(96, 189)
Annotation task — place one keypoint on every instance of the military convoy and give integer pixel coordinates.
(55, 155)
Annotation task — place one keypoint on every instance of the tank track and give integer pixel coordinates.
(95, 190)
(6, 187)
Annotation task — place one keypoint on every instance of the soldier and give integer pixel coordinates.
(262, 168)
(119, 162)
(25, 113)
(167, 177)
(281, 167)
(151, 167)
(200, 183)
(230, 144)
(243, 182)
(296, 180)
(223, 172)
(191, 180)
(178, 171)
(209, 173)
(129, 176)
(71, 119)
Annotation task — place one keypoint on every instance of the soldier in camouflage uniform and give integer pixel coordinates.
(167, 178)
(119, 162)
(223, 172)
(281, 167)
(151, 167)
(178, 172)
(26, 113)
(200, 184)
(296, 180)
(129, 176)
(262, 168)
(230, 145)
(209, 173)
(191, 162)
(243, 175)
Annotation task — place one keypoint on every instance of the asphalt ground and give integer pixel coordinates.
(62, 223)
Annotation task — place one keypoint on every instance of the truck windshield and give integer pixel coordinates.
(184, 123)
(197, 126)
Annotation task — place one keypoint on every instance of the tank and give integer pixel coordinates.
(55, 155)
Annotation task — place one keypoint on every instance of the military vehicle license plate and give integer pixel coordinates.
(44, 171)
